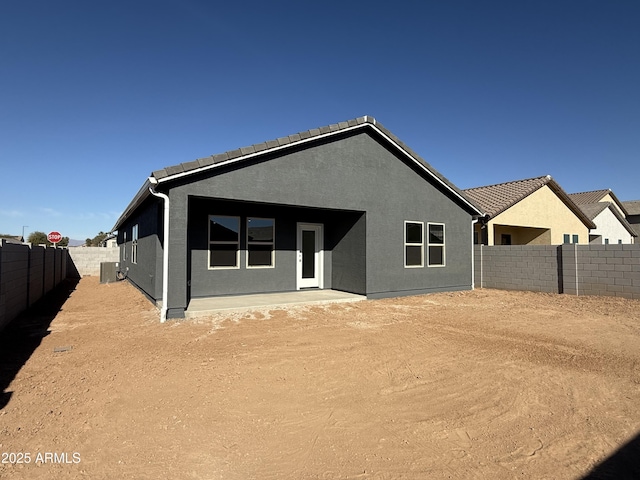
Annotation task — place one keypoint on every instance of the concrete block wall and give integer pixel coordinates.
(85, 261)
(612, 270)
(14, 281)
(517, 267)
(26, 274)
(36, 273)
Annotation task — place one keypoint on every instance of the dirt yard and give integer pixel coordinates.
(472, 385)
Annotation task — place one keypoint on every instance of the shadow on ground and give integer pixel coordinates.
(623, 464)
(24, 334)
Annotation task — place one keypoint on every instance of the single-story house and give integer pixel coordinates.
(633, 215)
(533, 211)
(346, 207)
(608, 214)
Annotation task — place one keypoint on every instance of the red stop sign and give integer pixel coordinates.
(54, 237)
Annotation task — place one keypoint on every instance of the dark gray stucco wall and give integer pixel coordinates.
(355, 172)
(146, 274)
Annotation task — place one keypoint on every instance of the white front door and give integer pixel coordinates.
(310, 255)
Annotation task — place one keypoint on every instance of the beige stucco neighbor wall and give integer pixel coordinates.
(541, 210)
(609, 198)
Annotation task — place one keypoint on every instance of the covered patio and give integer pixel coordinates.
(201, 307)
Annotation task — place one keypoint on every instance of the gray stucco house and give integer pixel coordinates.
(347, 207)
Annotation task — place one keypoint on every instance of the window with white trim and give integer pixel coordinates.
(224, 241)
(413, 244)
(436, 245)
(260, 242)
(134, 244)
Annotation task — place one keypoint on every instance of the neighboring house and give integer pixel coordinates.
(109, 241)
(608, 214)
(12, 238)
(534, 211)
(346, 207)
(633, 215)
(611, 227)
(596, 196)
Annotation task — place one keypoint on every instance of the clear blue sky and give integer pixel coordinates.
(94, 96)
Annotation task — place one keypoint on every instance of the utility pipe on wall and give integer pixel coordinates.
(165, 249)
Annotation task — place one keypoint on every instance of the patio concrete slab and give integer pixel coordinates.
(199, 307)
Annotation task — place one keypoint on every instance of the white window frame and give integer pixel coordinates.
(272, 243)
(134, 243)
(443, 245)
(413, 244)
(214, 242)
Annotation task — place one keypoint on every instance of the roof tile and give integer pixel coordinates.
(174, 170)
(260, 146)
(206, 161)
(234, 154)
(158, 174)
(220, 157)
(248, 150)
(190, 165)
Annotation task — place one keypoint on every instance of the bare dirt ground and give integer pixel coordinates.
(484, 384)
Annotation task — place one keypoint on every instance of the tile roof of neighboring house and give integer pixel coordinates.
(208, 163)
(596, 196)
(592, 210)
(632, 206)
(495, 199)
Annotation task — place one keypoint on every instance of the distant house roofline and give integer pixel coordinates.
(497, 198)
(595, 196)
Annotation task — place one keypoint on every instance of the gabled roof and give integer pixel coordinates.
(592, 210)
(632, 206)
(495, 199)
(212, 162)
(596, 196)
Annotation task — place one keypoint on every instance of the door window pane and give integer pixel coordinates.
(308, 253)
